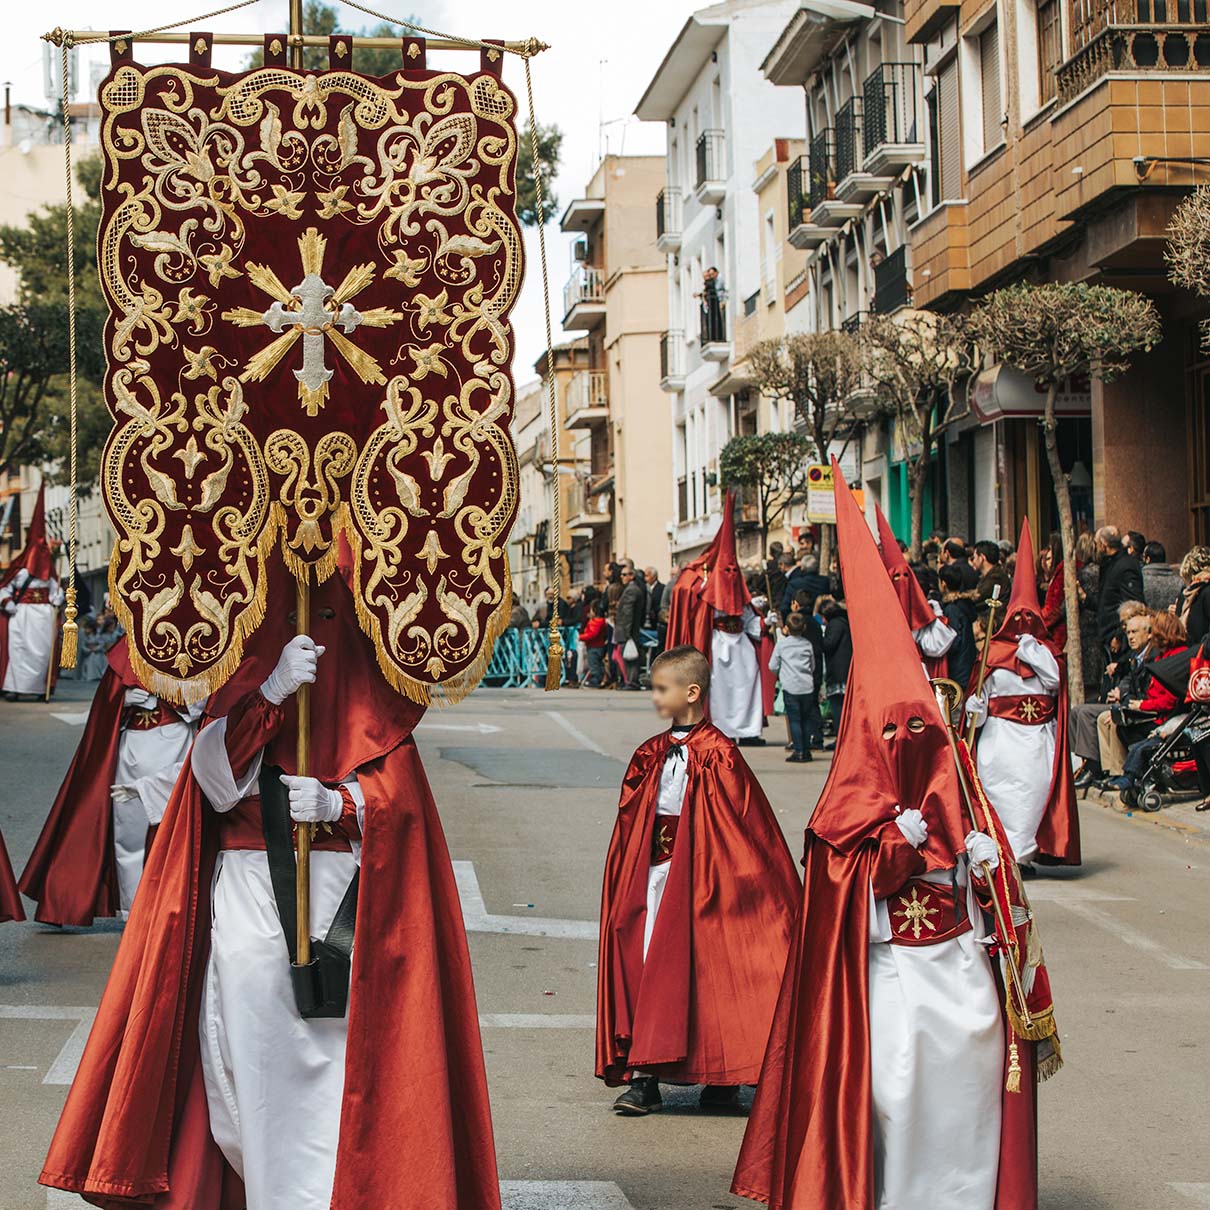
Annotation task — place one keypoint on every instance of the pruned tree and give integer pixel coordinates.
(1051, 332)
(915, 360)
(772, 466)
(1188, 251)
(819, 373)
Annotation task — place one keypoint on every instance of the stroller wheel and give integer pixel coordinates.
(1151, 799)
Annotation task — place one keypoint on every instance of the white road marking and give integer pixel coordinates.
(537, 1021)
(480, 728)
(73, 718)
(479, 920)
(63, 1069)
(1130, 935)
(1055, 891)
(575, 732)
(1194, 1192)
(563, 1195)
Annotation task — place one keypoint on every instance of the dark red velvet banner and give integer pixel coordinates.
(309, 278)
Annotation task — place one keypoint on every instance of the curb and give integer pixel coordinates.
(1157, 819)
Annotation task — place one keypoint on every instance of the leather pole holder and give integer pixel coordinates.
(321, 988)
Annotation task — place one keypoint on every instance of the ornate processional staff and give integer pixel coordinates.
(309, 277)
(990, 629)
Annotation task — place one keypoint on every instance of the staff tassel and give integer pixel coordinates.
(992, 605)
(303, 831)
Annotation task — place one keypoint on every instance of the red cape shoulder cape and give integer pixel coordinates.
(72, 873)
(415, 1129)
(698, 1010)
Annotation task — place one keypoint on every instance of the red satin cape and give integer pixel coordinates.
(11, 907)
(415, 1128)
(698, 1010)
(72, 872)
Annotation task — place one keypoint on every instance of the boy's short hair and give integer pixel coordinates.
(688, 663)
(796, 623)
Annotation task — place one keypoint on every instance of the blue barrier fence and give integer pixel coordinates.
(519, 658)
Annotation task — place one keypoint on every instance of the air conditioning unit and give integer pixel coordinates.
(580, 250)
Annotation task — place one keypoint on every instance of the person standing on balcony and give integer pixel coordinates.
(713, 324)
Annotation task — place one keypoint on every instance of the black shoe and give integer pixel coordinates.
(719, 1097)
(1084, 777)
(1028, 869)
(799, 758)
(752, 741)
(642, 1097)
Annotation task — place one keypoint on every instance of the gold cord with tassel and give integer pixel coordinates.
(69, 636)
(1013, 1081)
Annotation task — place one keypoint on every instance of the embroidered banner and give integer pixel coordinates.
(309, 278)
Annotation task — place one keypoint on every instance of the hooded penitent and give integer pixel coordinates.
(911, 596)
(711, 581)
(135, 1129)
(809, 1141)
(35, 558)
(1058, 834)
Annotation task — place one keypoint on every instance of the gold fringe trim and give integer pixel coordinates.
(69, 635)
(1049, 1059)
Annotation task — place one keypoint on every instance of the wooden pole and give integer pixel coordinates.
(302, 886)
(992, 606)
(53, 660)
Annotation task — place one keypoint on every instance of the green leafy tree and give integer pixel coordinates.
(1188, 251)
(1053, 331)
(34, 402)
(321, 19)
(820, 374)
(772, 467)
(915, 359)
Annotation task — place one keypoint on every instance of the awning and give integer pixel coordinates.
(811, 35)
(1003, 393)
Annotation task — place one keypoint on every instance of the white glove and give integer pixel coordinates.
(295, 668)
(981, 850)
(123, 793)
(913, 826)
(311, 801)
(140, 698)
(976, 707)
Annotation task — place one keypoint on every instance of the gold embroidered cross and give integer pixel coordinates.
(916, 913)
(314, 311)
(664, 841)
(1029, 709)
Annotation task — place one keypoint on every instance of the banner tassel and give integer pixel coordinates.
(554, 658)
(68, 636)
(1013, 1082)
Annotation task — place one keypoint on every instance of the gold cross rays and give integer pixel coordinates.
(916, 914)
(316, 313)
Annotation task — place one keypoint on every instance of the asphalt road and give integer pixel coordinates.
(527, 786)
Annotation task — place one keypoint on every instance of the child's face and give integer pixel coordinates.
(671, 694)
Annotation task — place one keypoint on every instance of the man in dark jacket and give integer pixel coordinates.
(959, 609)
(837, 654)
(1161, 581)
(804, 578)
(655, 598)
(987, 562)
(626, 625)
(954, 553)
(1121, 579)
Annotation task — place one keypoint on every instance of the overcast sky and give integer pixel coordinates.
(589, 82)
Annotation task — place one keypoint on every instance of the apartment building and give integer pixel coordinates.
(1062, 135)
(854, 191)
(720, 116)
(621, 498)
(532, 546)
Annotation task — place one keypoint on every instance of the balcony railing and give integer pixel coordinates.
(852, 323)
(588, 390)
(668, 218)
(672, 360)
(848, 138)
(713, 323)
(586, 504)
(889, 111)
(798, 177)
(1141, 36)
(891, 289)
(586, 285)
(711, 159)
(822, 164)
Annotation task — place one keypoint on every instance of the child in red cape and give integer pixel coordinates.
(697, 909)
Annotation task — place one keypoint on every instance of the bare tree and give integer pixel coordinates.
(1053, 331)
(819, 373)
(915, 359)
(1188, 251)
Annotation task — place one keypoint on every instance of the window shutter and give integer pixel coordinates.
(989, 71)
(949, 132)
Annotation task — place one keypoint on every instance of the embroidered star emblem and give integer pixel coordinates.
(1029, 709)
(218, 265)
(191, 309)
(332, 202)
(917, 914)
(406, 269)
(200, 362)
(432, 310)
(428, 361)
(287, 202)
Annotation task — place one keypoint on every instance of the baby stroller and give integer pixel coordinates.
(1171, 773)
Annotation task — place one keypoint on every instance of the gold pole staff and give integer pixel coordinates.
(992, 605)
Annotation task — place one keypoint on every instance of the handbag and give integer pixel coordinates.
(631, 650)
(1199, 676)
(321, 988)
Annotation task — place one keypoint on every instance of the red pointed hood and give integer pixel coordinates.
(1024, 612)
(911, 596)
(893, 750)
(725, 588)
(35, 557)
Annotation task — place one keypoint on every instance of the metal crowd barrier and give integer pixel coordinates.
(519, 658)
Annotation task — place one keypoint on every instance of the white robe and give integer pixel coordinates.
(673, 780)
(935, 639)
(274, 1082)
(31, 635)
(736, 708)
(148, 762)
(937, 1067)
(1016, 760)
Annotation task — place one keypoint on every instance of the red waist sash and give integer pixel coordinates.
(240, 828)
(1031, 709)
(731, 623)
(663, 839)
(926, 913)
(138, 719)
(35, 596)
